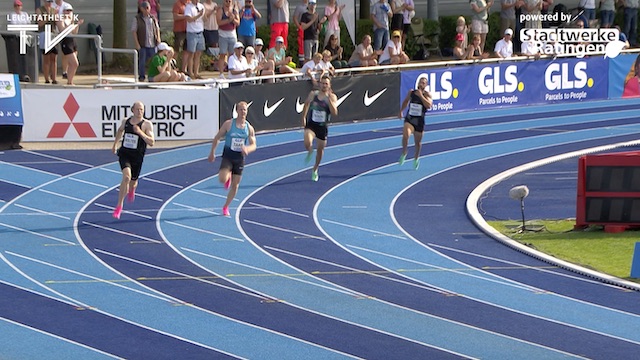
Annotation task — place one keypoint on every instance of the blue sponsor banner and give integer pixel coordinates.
(623, 81)
(487, 86)
(10, 100)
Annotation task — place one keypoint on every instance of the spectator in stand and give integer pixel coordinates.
(364, 55)
(508, 14)
(210, 28)
(607, 13)
(459, 52)
(247, 28)
(146, 36)
(480, 19)
(260, 55)
(279, 21)
(254, 64)
(180, 30)
(58, 5)
(380, 14)
(397, 6)
(313, 69)
(277, 60)
(228, 19)
(332, 12)
(630, 19)
(297, 15)
(589, 7)
(238, 66)
(326, 64)
(68, 44)
(393, 53)
(463, 30)
(17, 63)
(155, 7)
(474, 51)
(534, 8)
(49, 59)
(407, 15)
(529, 49)
(504, 47)
(194, 13)
(160, 66)
(547, 8)
(335, 51)
(310, 22)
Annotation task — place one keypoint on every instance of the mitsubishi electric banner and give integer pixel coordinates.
(481, 86)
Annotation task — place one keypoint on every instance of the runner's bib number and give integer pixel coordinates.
(130, 141)
(237, 144)
(415, 109)
(318, 116)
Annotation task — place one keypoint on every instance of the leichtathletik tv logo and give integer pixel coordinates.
(568, 40)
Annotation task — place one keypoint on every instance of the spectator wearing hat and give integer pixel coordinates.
(310, 23)
(393, 53)
(260, 53)
(194, 14)
(154, 9)
(459, 52)
(254, 65)
(68, 44)
(146, 36)
(279, 10)
(17, 63)
(160, 69)
(247, 29)
(504, 47)
(277, 60)
(380, 14)
(238, 66)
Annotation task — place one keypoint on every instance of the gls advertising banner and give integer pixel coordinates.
(94, 115)
(511, 83)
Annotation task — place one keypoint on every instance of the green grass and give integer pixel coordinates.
(610, 253)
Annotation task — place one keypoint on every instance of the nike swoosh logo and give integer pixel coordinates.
(369, 100)
(268, 110)
(299, 106)
(343, 98)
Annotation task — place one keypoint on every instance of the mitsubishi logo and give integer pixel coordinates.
(59, 129)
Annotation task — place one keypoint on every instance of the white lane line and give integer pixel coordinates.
(32, 169)
(222, 196)
(163, 182)
(203, 231)
(110, 208)
(193, 208)
(295, 277)
(149, 197)
(303, 235)
(42, 211)
(59, 159)
(354, 206)
(363, 229)
(567, 178)
(550, 172)
(122, 232)
(61, 195)
(16, 184)
(181, 274)
(430, 205)
(38, 234)
(88, 182)
(286, 211)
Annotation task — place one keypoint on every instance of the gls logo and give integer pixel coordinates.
(562, 77)
(439, 88)
(490, 80)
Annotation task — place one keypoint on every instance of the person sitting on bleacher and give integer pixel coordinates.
(160, 66)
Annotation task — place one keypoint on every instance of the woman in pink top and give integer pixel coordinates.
(333, 13)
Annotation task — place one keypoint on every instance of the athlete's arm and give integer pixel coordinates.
(146, 133)
(118, 136)
(216, 139)
(426, 99)
(305, 110)
(246, 150)
(405, 102)
(333, 104)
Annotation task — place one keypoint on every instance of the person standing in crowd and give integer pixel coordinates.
(297, 15)
(194, 14)
(239, 141)
(419, 101)
(380, 14)
(133, 136)
(508, 14)
(318, 109)
(228, 19)
(310, 23)
(480, 19)
(630, 20)
(59, 6)
(247, 28)
(407, 15)
(146, 36)
(333, 12)
(68, 44)
(210, 27)
(397, 7)
(279, 21)
(49, 59)
(504, 47)
(154, 8)
(180, 31)
(589, 7)
(607, 13)
(17, 63)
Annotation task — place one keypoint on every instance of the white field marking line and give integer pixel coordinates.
(61, 195)
(64, 297)
(148, 197)
(203, 231)
(193, 208)
(309, 236)
(122, 232)
(363, 229)
(162, 182)
(59, 159)
(38, 234)
(87, 276)
(15, 183)
(222, 196)
(354, 206)
(430, 205)
(110, 170)
(42, 211)
(286, 211)
(289, 277)
(152, 266)
(463, 273)
(74, 304)
(549, 172)
(566, 178)
(125, 211)
(39, 162)
(363, 272)
(59, 338)
(33, 169)
(88, 182)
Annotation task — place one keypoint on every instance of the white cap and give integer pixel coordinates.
(163, 46)
(249, 49)
(67, 6)
(508, 32)
(312, 2)
(280, 39)
(238, 45)
(259, 42)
